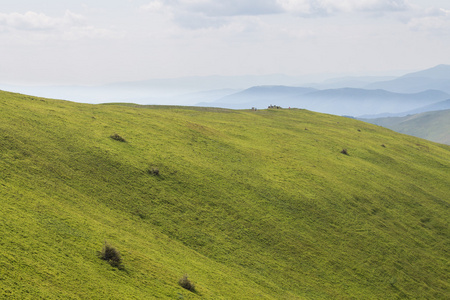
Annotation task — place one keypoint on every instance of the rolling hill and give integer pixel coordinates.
(249, 204)
(432, 125)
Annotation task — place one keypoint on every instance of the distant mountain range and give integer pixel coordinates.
(260, 96)
(443, 105)
(432, 125)
(343, 101)
(411, 93)
(437, 78)
(367, 96)
(171, 91)
(359, 82)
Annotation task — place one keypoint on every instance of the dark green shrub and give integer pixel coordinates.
(140, 214)
(153, 171)
(117, 137)
(393, 281)
(185, 283)
(344, 151)
(111, 255)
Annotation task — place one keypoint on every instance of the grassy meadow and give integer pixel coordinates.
(249, 204)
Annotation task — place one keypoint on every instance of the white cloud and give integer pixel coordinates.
(39, 21)
(196, 14)
(199, 14)
(232, 7)
(40, 26)
(303, 7)
(434, 20)
(91, 32)
(368, 5)
(193, 20)
(155, 6)
(328, 7)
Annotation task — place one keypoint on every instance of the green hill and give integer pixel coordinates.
(250, 204)
(432, 125)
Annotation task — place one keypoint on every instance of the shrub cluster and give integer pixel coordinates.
(184, 282)
(117, 137)
(153, 171)
(111, 255)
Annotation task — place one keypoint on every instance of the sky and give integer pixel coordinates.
(102, 41)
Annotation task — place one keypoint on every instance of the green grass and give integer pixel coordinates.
(248, 204)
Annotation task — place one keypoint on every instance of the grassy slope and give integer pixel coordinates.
(433, 125)
(249, 204)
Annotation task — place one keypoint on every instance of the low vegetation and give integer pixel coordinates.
(249, 202)
(117, 137)
(153, 171)
(111, 255)
(185, 283)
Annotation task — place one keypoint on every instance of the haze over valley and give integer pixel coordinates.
(365, 97)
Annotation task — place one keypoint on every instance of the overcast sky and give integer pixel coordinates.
(99, 41)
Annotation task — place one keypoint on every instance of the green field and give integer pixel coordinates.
(250, 204)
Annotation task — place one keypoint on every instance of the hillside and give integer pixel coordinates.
(250, 204)
(432, 125)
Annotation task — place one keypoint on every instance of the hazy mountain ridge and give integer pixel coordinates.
(443, 105)
(412, 85)
(430, 125)
(436, 78)
(419, 94)
(344, 101)
(259, 96)
(406, 93)
(358, 82)
(438, 72)
(171, 91)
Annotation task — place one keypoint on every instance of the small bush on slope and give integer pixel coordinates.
(111, 255)
(185, 283)
(153, 171)
(117, 137)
